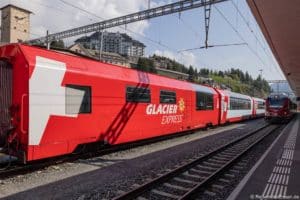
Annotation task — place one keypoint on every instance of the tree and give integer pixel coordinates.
(57, 44)
(146, 65)
(191, 73)
(220, 73)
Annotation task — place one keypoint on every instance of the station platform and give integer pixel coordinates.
(277, 174)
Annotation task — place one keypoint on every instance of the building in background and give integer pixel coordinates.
(120, 43)
(15, 24)
(108, 57)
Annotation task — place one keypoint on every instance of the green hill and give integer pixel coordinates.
(233, 79)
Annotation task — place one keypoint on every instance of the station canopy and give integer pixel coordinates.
(279, 21)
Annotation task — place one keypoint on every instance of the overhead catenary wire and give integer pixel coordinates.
(55, 9)
(240, 36)
(252, 32)
(217, 45)
(126, 29)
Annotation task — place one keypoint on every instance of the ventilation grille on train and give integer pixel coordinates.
(5, 94)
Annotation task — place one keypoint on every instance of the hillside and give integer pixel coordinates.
(233, 79)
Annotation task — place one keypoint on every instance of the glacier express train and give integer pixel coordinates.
(52, 102)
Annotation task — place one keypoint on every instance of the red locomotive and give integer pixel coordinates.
(52, 102)
(279, 108)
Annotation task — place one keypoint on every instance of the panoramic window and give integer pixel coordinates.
(261, 105)
(239, 104)
(78, 99)
(204, 101)
(138, 94)
(167, 97)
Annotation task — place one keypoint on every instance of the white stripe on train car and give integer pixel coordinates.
(46, 96)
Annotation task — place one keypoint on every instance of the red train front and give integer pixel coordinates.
(279, 108)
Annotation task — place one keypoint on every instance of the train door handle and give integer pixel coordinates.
(22, 113)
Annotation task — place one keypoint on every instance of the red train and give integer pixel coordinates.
(52, 102)
(279, 108)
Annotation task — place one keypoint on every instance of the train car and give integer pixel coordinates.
(259, 107)
(223, 105)
(240, 107)
(55, 102)
(279, 108)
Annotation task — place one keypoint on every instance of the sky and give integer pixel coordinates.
(170, 36)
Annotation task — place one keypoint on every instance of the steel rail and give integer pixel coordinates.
(226, 166)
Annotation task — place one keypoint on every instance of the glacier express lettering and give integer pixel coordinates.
(171, 119)
(161, 109)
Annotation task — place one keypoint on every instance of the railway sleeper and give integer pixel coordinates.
(224, 180)
(210, 193)
(205, 168)
(202, 172)
(242, 163)
(176, 190)
(192, 175)
(229, 175)
(233, 152)
(216, 161)
(212, 164)
(225, 156)
(217, 186)
(234, 171)
(176, 187)
(238, 167)
(142, 198)
(221, 158)
(164, 194)
(185, 181)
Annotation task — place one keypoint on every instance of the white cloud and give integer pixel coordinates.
(186, 58)
(56, 16)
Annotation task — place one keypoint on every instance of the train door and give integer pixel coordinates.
(223, 107)
(255, 107)
(5, 98)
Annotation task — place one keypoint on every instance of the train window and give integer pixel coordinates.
(78, 99)
(167, 97)
(239, 104)
(138, 94)
(276, 101)
(204, 101)
(261, 105)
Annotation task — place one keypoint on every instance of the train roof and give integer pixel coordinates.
(258, 99)
(238, 95)
(92, 67)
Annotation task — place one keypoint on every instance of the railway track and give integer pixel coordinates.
(201, 175)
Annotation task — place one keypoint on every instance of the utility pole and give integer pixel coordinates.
(100, 37)
(47, 40)
(207, 12)
(261, 70)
